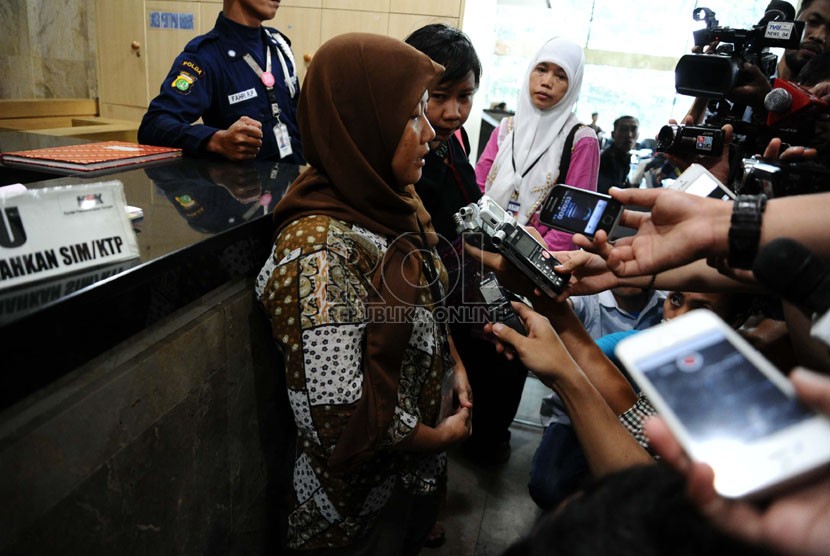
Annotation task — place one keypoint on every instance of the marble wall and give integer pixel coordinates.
(47, 49)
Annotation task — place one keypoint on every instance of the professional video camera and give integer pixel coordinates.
(782, 179)
(500, 230)
(715, 75)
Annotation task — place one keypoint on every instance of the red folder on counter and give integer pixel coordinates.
(88, 157)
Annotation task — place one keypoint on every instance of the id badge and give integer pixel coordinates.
(283, 140)
(513, 208)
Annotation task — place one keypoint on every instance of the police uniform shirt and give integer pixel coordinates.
(211, 80)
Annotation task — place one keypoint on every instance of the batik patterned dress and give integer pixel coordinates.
(315, 289)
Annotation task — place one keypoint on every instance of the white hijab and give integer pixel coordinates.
(537, 133)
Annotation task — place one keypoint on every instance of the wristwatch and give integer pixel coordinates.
(745, 230)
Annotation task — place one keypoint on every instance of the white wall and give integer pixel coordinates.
(479, 23)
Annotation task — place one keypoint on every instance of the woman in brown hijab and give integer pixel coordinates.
(351, 289)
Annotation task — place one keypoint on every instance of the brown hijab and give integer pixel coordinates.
(356, 100)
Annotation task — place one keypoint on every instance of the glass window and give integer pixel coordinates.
(630, 51)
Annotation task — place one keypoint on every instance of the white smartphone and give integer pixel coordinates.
(727, 405)
(699, 181)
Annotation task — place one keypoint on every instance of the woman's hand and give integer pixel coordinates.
(455, 428)
(462, 390)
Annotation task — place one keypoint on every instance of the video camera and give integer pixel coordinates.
(715, 75)
(791, 112)
(515, 243)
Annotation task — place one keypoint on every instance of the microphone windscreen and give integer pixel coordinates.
(786, 9)
(778, 100)
(792, 271)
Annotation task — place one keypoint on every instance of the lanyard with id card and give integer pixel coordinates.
(267, 78)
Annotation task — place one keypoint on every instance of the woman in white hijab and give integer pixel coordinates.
(523, 158)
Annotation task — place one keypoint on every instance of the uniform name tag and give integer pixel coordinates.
(242, 95)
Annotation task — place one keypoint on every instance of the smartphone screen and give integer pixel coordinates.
(744, 406)
(578, 211)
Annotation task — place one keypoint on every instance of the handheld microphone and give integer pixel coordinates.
(788, 100)
(792, 271)
(778, 100)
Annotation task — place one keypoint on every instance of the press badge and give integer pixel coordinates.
(283, 140)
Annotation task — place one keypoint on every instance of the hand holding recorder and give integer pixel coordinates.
(498, 228)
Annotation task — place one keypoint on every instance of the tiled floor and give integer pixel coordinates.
(489, 507)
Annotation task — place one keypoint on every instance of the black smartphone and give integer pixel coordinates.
(580, 211)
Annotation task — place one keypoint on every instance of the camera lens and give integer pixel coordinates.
(665, 138)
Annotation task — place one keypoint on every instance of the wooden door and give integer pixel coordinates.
(170, 26)
(122, 55)
(302, 26)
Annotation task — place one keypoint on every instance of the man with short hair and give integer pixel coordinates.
(241, 80)
(816, 16)
(615, 161)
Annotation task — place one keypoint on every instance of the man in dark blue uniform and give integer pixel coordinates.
(241, 80)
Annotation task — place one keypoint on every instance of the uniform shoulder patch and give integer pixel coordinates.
(183, 82)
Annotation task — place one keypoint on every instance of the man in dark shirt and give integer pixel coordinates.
(615, 161)
(241, 80)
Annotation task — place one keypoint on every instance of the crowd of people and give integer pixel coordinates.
(366, 255)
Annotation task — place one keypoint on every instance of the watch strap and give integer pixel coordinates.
(745, 230)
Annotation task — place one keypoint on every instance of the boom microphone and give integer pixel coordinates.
(792, 271)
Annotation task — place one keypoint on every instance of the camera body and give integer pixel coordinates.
(715, 75)
(782, 179)
(498, 304)
(703, 140)
(514, 242)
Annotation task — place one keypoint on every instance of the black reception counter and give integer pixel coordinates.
(205, 223)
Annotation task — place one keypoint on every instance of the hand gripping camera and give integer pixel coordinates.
(513, 242)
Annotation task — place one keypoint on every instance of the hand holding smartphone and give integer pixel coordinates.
(727, 405)
(580, 211)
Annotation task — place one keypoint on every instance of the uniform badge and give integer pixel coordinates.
(183, 82)
(185, 201)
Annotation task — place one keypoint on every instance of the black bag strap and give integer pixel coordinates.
(567, 150)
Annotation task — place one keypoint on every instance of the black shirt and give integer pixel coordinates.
(614, 166)
(445, 188)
